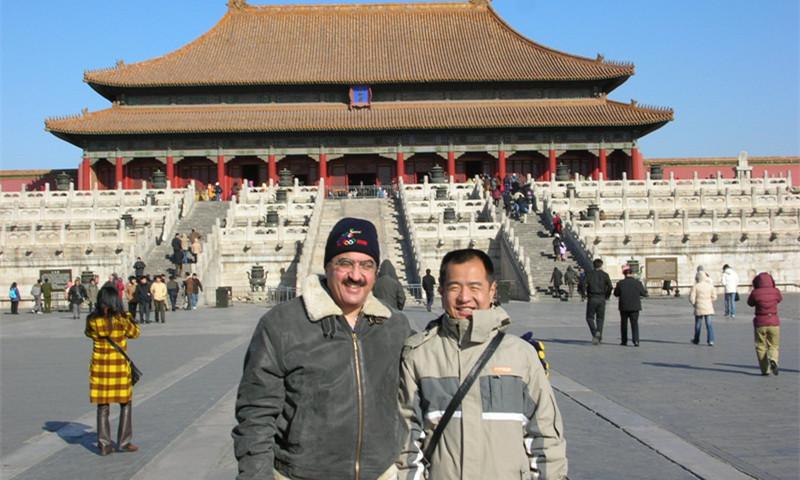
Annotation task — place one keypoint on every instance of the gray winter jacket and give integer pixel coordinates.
(317, 399)
(388, 287)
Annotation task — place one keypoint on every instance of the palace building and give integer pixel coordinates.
(358, 94)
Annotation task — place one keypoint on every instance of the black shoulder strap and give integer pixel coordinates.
(460, 394)
(117, 348)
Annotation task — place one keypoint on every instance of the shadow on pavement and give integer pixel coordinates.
(692, 367)
(755, 367)
(74, 434)
(662, 341)
(565, 341)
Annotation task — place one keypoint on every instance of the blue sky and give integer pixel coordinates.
(729, 68)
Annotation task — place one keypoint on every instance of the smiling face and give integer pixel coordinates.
(466, 288)
(350, 277)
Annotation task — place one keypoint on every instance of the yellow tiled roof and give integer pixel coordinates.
(355, 44)
(318, 117)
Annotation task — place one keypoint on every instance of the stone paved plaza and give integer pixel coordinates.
(665, 410)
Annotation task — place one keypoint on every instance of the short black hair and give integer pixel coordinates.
(597, 263)
(463, 256)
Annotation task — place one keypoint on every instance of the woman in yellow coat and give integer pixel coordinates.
(109, 372)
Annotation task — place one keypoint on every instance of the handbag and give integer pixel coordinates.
(136, 374)
(459, 396)
(736, 297)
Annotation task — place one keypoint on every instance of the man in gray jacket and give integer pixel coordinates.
(318, 396)
(507, 427)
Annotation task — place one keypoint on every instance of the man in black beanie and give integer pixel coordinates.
(318, 395)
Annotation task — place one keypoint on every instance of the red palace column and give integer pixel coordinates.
(401, 166)
(551, 164)
(221, 175)
(85, 175)
(501, 164)
(451, 164)
(119, 174)
(637, 164)
(171, 170)
(323, 167)
(603, 163)
(272, 168)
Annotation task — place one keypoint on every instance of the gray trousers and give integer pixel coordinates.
(125, 430)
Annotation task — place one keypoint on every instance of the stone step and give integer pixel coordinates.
(381, 212)
(202, 218)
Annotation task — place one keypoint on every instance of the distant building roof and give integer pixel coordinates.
(358, 44)
(317, 117)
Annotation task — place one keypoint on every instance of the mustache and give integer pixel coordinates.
(353, 283)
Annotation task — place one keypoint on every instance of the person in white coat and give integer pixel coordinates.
(730, 280)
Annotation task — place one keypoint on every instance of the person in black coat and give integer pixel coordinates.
(428, 284)
(630, 292)
(143, 298)
(556, 279)
(598, 290)
(138, 267)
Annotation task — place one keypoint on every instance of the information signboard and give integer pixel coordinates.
(58, 277)
(661, 269)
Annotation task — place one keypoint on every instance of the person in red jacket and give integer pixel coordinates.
(765, 298)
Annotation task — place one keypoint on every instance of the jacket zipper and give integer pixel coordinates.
(360, 398)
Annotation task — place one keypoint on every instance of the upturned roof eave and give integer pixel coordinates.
(109, 89)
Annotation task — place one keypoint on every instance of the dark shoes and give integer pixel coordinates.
(129, 448)
(105, 450)
(596, 340)
(624, 344)
(773, 365)
(696, 342)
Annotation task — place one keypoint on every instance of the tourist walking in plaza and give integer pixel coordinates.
(196, 248)
(766, 322)
(555, 280)
(730, 281)
(172, 291)
(47, 295)
(110, 373)
(36, 293)
(318, 394)
(630, 292)
(702, 296)
(598, 290)
(138, 267)
(192, 287)
(177, 253)
(91, 293)
(76, 295)
(556, 247)
(571, 280)
(428, 284)
(13, 296)
(143, 298)
(508, 424)
(130, 295)
(388, 288)
(158, 291)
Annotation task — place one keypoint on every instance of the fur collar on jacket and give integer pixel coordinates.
(319, 304)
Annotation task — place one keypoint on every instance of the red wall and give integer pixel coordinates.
(729, 171)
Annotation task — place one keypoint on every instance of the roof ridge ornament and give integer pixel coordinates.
(480, 3)
(120, 63)
(237, 4)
